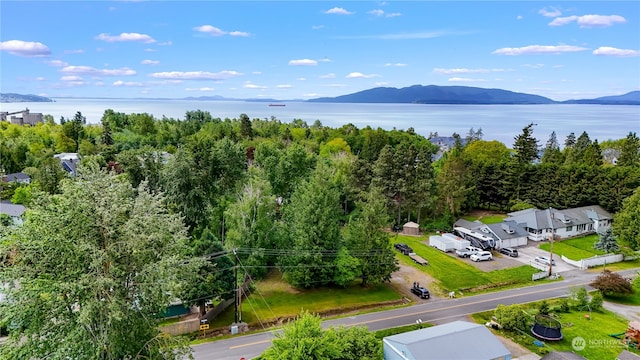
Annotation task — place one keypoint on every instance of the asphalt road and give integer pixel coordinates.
(436, 311)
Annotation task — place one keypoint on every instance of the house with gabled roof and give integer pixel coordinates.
(14, 211)
(19, 177)
(541, 224)
(507, 234)
(69, 162)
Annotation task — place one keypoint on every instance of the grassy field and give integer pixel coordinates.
(595, 332)
(574, 249)
(619, 266)
(453, 274)
(273, 299)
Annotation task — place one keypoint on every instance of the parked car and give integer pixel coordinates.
(509, 252)
(403, 248)
(420, 291)
(544, 260)
(467, 251)
(481, 256)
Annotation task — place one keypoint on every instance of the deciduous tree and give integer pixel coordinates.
(93, 267)
(612, 283)
(627, 221)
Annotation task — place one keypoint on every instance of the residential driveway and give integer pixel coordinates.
(528, 253)
(498, 262)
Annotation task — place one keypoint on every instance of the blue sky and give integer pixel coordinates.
(307, 49)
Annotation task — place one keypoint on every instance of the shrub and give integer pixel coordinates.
(612, 283)
(563, 305)
(512, 317)
(580, 298)
(543, 307)
(596, 301)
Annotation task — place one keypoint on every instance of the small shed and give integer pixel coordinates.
(411, 228)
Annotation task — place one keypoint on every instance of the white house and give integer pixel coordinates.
(541, 224)
(455, 340)
(499, 235)
(14, 211)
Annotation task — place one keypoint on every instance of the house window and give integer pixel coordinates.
(569, 228)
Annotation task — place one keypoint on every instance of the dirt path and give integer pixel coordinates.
(402, 280)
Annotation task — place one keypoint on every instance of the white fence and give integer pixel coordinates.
(595, 261)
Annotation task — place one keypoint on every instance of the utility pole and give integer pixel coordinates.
(236, 292)
(551, 217)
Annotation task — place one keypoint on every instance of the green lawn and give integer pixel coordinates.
(488, 219)
(453, 274)
(273, 299)
(574, 249)
(595, 332)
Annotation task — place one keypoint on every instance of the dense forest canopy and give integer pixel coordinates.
(263, 184)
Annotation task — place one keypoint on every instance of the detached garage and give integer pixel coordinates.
(455, 340)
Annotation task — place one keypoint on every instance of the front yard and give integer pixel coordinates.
(577, 330)
(455, 274)
(574, 249)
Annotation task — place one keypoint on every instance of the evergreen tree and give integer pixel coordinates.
(525, 146)
(607, 242)
(630, 152)
(552, 153)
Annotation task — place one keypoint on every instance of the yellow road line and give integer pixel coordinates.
(423, 312)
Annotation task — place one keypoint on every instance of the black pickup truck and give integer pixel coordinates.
(422, 292)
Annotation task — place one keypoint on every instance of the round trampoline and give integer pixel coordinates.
(547, 328)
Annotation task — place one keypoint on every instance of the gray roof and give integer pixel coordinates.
(10, 209)
(627, 355)
(563, 355)
(539, 219)
(19, 176)
(467, 224)
(507, 230)
(444, 342)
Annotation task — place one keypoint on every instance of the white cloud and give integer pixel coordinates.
(338, 11)
(88, 70)
(127, 83)
(519, 17)
(611, 51)
(587, 21)
(301, 79)
(150, 50)
(359, 75)
(325, 59)
(209, 29)
(390, 15)
(539, 49)
(376, 12)
(196, 75)
(136, 37)
(533, 66)
(459, 71)
(214, 31)
(76, 51)
(249, 85)
(239, 33)
(317, 27)
(25, 48)
(284, 86)
(550, 12)
(328, 76)
(200, 89)
(149, 62)
(303, 62)
(395, 65)
(381, 83)
(40, 78)
(165, 43)
(57, 63)
(71, 78)
(465, 80)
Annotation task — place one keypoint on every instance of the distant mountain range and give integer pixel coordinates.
(417, 94)
(433, 94)
(12, 98)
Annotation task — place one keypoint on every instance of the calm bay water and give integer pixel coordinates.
(498, 122)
